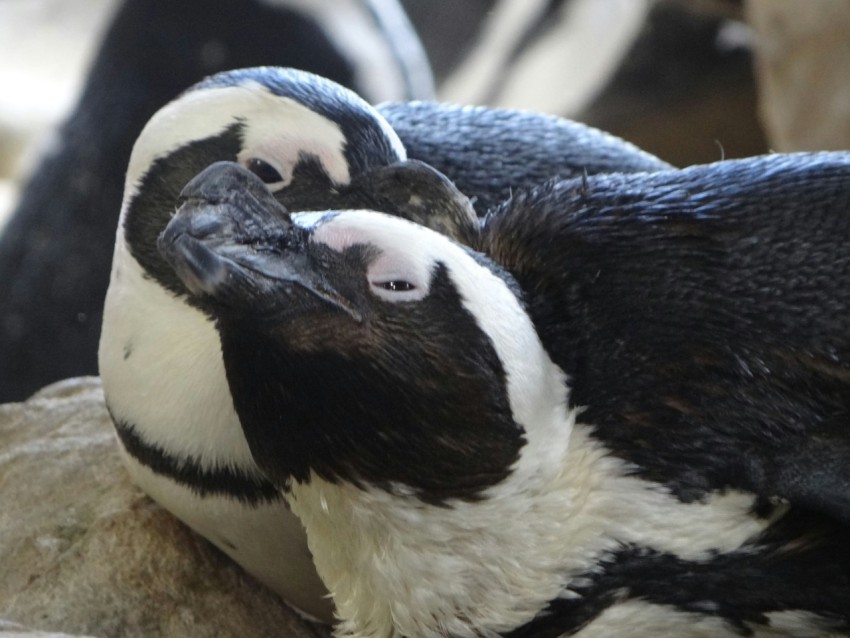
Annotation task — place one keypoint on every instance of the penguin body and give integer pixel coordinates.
(159, 358)
(627, 413)
(317, 146)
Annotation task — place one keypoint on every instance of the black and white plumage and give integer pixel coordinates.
(56, 249)
(318, 146)
(626, 415)
(159, 358)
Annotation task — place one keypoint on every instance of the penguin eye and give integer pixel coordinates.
(394, 277)
(397, 285)
(265, 171)
(396, 290)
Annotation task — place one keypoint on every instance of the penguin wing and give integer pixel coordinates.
(490, 153)
(703, 318)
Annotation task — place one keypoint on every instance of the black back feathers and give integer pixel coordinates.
(702, 317)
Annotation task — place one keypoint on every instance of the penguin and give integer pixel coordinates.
(623, 410)
(315, 145)
(55, 251)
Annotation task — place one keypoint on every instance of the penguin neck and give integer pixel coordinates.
(398, 560)
(397, 566)
(399, 563)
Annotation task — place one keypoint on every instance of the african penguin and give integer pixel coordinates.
(56, 250)
(625, 413)
(159, 359)
(317, 146)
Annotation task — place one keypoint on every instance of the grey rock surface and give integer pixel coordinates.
(83, 551)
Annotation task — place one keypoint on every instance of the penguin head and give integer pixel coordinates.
(365, 348)
(314, 144)
(277, 120)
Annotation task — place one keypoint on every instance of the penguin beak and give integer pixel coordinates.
(232, 244)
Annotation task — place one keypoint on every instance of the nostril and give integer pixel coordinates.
(178, 226)
(197, 225)
(202, 225)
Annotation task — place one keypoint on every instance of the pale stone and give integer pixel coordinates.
(14, 630)
(803, 64)
(83, 551)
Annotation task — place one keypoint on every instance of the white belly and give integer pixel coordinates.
(162, 373)
(267, 540)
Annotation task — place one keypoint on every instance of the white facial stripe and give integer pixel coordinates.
(305, 132)
(351, 227)
(276, 130)
(395, 241)
(536, 387)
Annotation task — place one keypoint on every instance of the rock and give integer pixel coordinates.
(802, 64)
(14, 630)
(83, 551)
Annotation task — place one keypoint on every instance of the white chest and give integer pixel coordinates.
(162, 373)
(399, 567)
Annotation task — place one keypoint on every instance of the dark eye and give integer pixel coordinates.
(264, 171)
(397, 285)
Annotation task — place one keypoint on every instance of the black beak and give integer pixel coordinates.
(231, 243)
